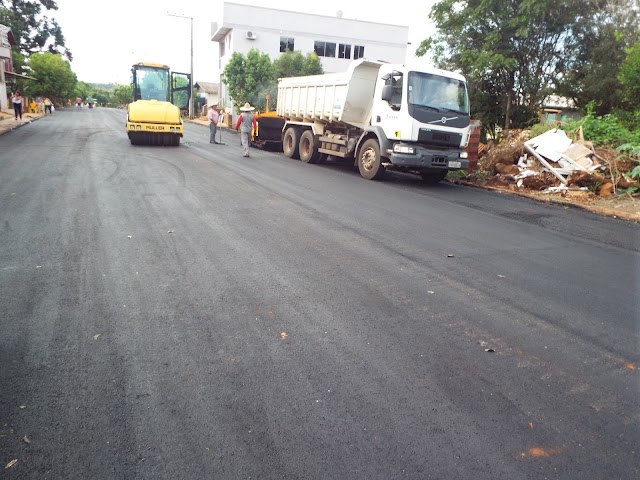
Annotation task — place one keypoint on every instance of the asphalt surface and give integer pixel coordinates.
(188, 313)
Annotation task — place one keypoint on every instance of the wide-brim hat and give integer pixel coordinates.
(247, 108)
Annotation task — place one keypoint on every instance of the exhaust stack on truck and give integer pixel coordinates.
(383, 116)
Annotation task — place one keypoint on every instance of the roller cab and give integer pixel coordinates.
(153, 118)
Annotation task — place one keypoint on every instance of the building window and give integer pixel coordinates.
(286, 43)
(344, 50)
(358, 52)
(324, 49)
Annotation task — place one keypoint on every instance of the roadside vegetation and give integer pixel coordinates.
(515, 55)
(40, 52)
(254, 78)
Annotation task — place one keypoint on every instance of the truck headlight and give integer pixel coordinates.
(399, 148)
(464, 155)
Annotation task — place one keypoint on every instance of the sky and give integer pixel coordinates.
(106, 41)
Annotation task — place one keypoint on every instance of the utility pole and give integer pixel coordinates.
(191, 76)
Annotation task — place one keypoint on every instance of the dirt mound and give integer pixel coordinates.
(508, 151)
(599, 184)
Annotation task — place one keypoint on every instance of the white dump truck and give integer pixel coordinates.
(381, 115)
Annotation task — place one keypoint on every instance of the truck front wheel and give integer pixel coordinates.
(308, 147)
(370, 161)
(290, 142)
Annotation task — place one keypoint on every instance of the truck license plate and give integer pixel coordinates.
(455, 164)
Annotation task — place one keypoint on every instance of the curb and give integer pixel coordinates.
(15, 125)
(589, 208)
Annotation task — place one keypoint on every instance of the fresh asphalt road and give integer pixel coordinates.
(186, 313)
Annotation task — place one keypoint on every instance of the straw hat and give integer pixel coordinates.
(247, 108)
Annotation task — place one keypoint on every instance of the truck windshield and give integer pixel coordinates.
(435, 91)
(152, 84)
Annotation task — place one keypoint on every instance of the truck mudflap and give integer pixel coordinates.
(424, 158)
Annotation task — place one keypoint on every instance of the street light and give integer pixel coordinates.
(191, 77)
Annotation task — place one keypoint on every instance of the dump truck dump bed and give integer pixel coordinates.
(344, 98)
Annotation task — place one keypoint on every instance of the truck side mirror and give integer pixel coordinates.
(387, 92)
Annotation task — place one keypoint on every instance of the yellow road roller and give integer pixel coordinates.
(153, 118)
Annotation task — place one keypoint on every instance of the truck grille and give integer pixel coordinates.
(440, 161)
(443, 139)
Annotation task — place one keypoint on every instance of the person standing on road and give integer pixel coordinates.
(213, 117)
(17, 104)
(246, 122)
(47, 105)
(78, 102)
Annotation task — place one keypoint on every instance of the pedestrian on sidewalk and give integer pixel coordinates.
(214, 118)
(17, 100)
(47, 106)
(246, 122)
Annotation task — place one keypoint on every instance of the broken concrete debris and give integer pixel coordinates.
(551, 163)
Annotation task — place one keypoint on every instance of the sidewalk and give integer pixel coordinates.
(8, 121)
(205, 122)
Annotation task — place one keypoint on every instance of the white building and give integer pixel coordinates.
(208, 93)
(6, 63)
(336, 40)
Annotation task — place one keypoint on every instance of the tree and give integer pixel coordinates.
(247, 78)
(518, 46)
(82, 90)
(255, 77)
(55, 79)
(101, 96)
(630, 76)
(293, 64)
(34, 32)
(290, 64)
(630, 80)
(312, 64)
(603, 36)
(122, 94)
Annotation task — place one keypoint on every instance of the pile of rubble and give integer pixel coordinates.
(551, 163)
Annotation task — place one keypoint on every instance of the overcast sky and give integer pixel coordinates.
(106, 41)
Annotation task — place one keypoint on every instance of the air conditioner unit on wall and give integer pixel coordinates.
(251, 35)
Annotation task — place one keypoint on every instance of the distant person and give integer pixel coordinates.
(90, 101)
(246, 122)
(47, 106)
(214, 118)
(78, 102)
(17, 101)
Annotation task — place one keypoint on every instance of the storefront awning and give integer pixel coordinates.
(17, 75)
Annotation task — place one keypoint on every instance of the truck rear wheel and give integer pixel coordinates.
(370, 161)
(308, 148)
(290, 142)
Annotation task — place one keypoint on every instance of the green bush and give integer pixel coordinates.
(540, 128)
(604, 131)
(630, 150)
(631, 120)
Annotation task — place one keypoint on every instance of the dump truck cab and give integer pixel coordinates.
(153, 118)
